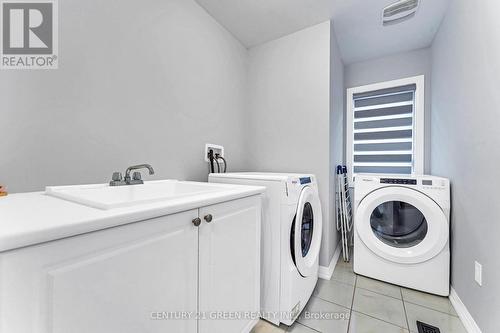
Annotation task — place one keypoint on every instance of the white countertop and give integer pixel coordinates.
(32, 218)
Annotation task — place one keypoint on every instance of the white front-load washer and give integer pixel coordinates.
(402, 231)
(291, 240)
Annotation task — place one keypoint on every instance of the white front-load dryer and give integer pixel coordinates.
(291, 240)
(402, 231)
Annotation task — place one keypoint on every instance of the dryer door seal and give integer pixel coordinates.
(307, 232)
(401, 225)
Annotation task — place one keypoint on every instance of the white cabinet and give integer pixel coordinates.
(229, 288)
(150, 276)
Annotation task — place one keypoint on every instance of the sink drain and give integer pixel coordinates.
(426, 328)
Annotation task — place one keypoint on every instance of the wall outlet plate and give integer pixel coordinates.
(478, 273)
(216, 149)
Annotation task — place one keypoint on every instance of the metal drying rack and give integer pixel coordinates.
(344, 211)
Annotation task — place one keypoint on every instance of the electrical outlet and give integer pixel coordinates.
(216, 149)
(478, 273)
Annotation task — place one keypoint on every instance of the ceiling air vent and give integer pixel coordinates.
(400, 11)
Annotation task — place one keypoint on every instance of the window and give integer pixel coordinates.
(385, 127)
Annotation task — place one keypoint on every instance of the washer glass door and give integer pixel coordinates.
(307, 228)
(305, 235)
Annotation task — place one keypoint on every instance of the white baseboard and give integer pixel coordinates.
(250, 326)
(326, 273)
(463, 313)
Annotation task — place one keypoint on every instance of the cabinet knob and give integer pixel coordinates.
(208, 218)
(197, 222)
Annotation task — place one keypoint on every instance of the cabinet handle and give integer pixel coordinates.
(197, 222)
(208, 218)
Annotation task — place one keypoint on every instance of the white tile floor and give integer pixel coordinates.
(363, 305)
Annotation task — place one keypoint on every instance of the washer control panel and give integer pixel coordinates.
(305, 180)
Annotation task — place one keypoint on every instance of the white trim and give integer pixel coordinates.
(326, 273)
(419, 114)
(464, 314)
(251, 325)
(419, 118)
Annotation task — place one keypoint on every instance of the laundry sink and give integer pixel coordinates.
(104, 196)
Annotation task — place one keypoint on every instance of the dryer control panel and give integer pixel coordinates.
(437, 188)
(400, 181)
(425, 183)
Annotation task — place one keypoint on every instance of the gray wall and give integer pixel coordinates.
(288, 110)
(395, 67)
(137, 83)
(465, 142)
(153, 83)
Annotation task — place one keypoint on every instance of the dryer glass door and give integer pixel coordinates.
(398, 224)
(305, 235)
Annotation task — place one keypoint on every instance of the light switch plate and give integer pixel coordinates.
(478, 273)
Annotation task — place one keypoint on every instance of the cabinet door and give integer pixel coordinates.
(125, 279)
(230, 266)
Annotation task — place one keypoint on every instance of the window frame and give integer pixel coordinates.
(418, 120)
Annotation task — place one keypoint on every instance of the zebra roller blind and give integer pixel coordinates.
(384, 130)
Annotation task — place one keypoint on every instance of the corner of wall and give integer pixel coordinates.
(336, 128)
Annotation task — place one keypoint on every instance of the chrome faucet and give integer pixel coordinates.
(118, 180)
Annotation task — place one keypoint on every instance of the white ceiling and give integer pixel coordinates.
(358, 25)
